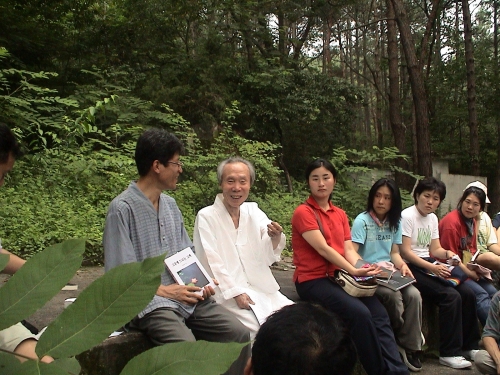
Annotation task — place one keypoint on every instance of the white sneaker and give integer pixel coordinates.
(455, 362)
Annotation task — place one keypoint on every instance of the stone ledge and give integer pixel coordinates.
(111, 356)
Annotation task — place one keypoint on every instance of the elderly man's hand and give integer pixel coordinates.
(244, 301)
(274, 229)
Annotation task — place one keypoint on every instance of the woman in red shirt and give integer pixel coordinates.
(317, 255)
(458, 233)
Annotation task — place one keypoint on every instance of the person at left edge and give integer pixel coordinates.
(17, 338)
(142, 222)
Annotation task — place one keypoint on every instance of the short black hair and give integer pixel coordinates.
(303, 339)
(320, 163)
(8, 144)
(155, 144)
(479, 193)
(432, 184)
(394, 214)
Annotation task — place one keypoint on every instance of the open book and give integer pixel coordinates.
(480, 270)
(186, 269)
(395, 281)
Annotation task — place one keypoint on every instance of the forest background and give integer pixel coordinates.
(370, 85)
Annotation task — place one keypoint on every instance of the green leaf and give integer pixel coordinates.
(104, 306)
(41, 278)
(40, 368)
(70, 365)
(4, 260)
(9, 364)
(185, 358)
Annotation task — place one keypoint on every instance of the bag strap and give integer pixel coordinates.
(320, 229)
(317, 218)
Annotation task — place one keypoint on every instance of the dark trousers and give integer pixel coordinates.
(367, 321)
(458, 324)
(209, 321)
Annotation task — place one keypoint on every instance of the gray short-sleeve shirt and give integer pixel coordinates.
(135, 231)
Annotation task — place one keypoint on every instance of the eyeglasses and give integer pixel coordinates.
(178, 163)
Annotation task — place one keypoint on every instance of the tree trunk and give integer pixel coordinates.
(496, 197)
(327, 37)
(366, 127)
(471, 90)
(281, 36)
(426, 46)
(342, 54)
(418, 90)
(395, 119)
(376, 79)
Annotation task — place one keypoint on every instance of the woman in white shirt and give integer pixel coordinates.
(458, 324)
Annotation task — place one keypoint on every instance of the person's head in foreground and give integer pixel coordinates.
(302, 339)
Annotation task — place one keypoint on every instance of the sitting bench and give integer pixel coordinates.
(111, 356)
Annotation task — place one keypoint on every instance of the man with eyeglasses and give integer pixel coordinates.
(143, 222)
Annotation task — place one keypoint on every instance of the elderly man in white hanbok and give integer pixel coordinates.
(236, 242)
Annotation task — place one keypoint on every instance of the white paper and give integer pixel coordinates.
(262, 308)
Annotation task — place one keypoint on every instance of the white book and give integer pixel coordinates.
(186, 269)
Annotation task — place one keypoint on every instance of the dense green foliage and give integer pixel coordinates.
(297, 68)
(80, 156)
(278, 83)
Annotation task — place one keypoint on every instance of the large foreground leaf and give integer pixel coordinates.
(4, 259)
(185, 358)
(40, 368)
(70, 365)
(9, 364)
(104, 306)
(41, 278)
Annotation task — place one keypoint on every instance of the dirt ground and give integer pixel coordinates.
(83, 278)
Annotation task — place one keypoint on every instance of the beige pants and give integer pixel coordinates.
(11, 337)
